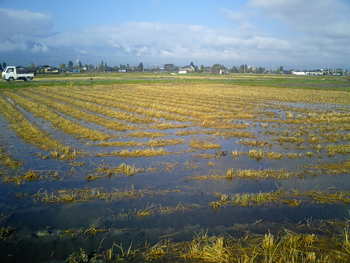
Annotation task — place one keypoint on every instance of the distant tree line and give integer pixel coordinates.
(78, 66)
(3, 65)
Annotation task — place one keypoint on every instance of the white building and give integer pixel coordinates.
(299, 73)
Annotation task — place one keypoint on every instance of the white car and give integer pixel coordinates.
(16, 73)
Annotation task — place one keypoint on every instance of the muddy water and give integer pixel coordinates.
(40, 228)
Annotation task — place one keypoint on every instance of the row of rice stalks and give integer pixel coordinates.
(32, 134)
(129, 105)
(280, 197)
(108, 172)
(107, 111)
(56, 120)
(78, 113)
(286, 246)
(136, 153)
(8, 160)
(90, 194)
(203, 145)
(31, 176)
(150, 143)
(249, 174)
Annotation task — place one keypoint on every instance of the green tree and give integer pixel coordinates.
(62, 67)
(217, 67)
(243, 68)
(140, 67)
(234, 69)
(101, 67)
(32, 67)
(260, 70)
(70, 65)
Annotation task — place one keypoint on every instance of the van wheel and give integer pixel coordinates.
(10, 79)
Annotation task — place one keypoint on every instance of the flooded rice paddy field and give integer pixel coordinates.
(174, 173)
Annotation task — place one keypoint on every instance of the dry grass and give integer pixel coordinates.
(57, 121)
(109, 172)
(194, 132)
(91, 106)
(164, 210)
(168, 126)
(122, 169)
(149, 109)
(160, 143)
(295, 140)
(6, 232)
(207, 249)
(223, 125)
(254, 114)
(79, 113)
(338, 149)
(203, 145)
(8, 160)
(144, 134)
(90, 194)
(31, 176)
(236, 134)
(334, 168)
(248, 174)
(254, 143)
(236, 154)
(280, 197)
(285, 246)
(259, 155)
(150, 143)
(136, 153)
(32, 134)
(256, 154)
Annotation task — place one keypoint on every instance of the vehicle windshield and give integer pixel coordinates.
(10, 70)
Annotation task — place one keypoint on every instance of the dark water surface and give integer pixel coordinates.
(40, 228)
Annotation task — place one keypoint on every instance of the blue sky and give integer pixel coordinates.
(81, 14)
(267, 33)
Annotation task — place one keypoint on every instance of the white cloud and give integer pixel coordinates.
(317, 30)
(8, 46)
(326, 17)
(37, 48)
(150, 42)
(23, 30)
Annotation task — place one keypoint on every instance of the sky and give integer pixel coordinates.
(291, 33)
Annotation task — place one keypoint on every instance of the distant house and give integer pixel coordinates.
(186, 69)
(308, 73)
(223, 72)
(46, 69)
(299, 73)
(314, 73)
(169, 68)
